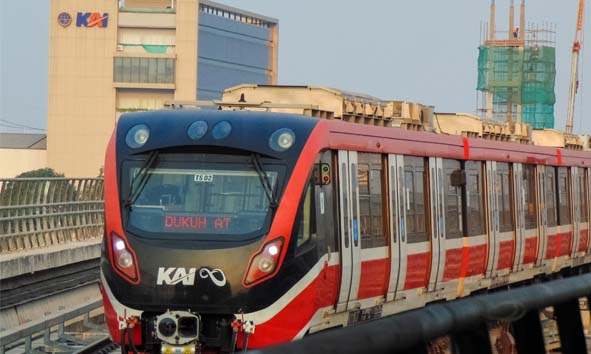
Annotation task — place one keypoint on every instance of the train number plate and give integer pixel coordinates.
(203, 178)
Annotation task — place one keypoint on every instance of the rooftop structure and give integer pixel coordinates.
(516, 71)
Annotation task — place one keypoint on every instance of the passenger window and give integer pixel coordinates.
(563, 197)
(415, 197)
(475, 221)
(551, 212)
(453, 201)
(529, 197)
(583, 210)
(504, 192)
(370, 200)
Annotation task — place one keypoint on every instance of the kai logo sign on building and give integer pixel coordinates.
(92, 19)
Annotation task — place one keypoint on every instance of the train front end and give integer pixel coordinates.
(199, 212)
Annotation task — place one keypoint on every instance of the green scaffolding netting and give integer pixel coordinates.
(520, 76)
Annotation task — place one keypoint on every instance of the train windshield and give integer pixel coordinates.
(199, 196)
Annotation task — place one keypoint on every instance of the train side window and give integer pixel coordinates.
(414, 182)
(453, 201)
(505, 204)
(370, 200)
(583, 210)
(563, 197)
(529, 197)
(551, 212)
(474, 198)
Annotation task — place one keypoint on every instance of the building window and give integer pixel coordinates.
(414, 184)
(144, 70)
(563, 197)
(529, 195)
(370, 200)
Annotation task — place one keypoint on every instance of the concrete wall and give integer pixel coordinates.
(232, 53)
(16, 161)
(81, 107)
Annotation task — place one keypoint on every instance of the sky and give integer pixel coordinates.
(422, 51)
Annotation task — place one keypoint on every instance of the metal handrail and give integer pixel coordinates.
(42, 212)
(461, 319)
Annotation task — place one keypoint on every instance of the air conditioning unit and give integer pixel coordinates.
(119, 47)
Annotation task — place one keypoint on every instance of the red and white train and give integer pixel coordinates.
(233, 229)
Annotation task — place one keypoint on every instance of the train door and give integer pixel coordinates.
(415, 240)
(584, 210)
(397, 224)
(575, 206)
(544, 184)
(460, 249)
(349, 229)
(565, 233)
(437, 221)
(501, 225)
(519, 197)
(528, 202)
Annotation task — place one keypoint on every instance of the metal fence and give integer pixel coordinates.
(41, 212)
(466, 323)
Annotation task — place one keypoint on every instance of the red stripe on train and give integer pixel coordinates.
(418, 267)
(584, 241)
(559, 245)
(464, 262)
(374, 278)
(531, 250)
(506, 254)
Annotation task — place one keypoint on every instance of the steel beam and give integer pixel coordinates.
(570, 327)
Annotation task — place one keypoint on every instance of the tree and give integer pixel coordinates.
(46, 172)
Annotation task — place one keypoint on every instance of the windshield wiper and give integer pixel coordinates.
(140, 180)
(256, 162)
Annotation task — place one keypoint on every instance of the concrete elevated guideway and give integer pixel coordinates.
(50, 235)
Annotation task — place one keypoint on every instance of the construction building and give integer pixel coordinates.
(108, 57)
(516, 71)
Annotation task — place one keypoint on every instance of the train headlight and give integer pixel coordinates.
(221, 130)
(123, 258)
(137, 136)
(263, 263)
(197, 130)
(282, 139)
(266, 264)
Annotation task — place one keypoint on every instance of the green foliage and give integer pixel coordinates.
(40, 173)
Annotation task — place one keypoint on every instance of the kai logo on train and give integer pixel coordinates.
(184, 276)
(92, 19)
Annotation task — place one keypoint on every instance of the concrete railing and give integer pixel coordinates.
(42, 212)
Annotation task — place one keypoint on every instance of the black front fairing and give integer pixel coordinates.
(177, 271)
(204, 296)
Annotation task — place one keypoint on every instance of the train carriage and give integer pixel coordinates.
(233, 229)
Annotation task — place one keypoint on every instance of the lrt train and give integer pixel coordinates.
(229, 230)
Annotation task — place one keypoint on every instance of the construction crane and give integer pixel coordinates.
(574, 78)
